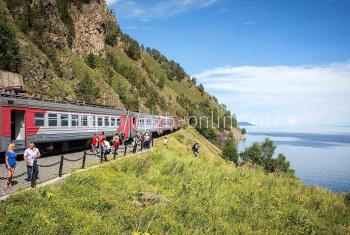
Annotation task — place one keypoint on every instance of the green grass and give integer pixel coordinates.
(167, 191)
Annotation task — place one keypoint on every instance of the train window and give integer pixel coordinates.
(74, 121)
(39, 119)
(99, 121)
(106, 121)
(112, 121)
(64, 119)
(84, 120)
(118, 121)
(52, 119)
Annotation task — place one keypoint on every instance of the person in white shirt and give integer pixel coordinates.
(31, 154)
(107, 149)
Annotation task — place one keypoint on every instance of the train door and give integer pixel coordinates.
(18, 128)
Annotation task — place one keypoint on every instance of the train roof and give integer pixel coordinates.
(28, 102)
(59, 105)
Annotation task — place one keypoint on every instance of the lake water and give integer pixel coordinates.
(318, 158)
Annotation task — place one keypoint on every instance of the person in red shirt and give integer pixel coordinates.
(101, 142)
(94, 144)
(116, 140)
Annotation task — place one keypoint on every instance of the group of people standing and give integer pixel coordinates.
(105, 146)
(31, 155)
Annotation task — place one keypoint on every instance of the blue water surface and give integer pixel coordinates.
(318, 158)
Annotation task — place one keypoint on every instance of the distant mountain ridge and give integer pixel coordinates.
(243, 124)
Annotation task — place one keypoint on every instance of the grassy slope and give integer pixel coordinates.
(169, 191)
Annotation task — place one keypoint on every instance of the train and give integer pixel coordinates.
(57, 126)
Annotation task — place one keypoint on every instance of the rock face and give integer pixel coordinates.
(55, 32)
(89, 23)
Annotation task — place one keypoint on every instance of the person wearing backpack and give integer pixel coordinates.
(107, 149)
(195, 149)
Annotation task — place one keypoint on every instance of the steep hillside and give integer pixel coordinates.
(168, 191)
(75, 50)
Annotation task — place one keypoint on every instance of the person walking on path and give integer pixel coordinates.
(107, 149)
(147, 140)
(31, 155)
(10, 159)
(116, 142)
(195, 149)
(101, 142)
(165, 141)
(94, 144)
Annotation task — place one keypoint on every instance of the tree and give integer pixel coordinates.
(262, 155)
(86, 90)
(194, 81)
(112, 32)
(133, 50)
(243, 131)
(91, 60)
(201, 88)
(111, 37)
(252, 154)
(282, 165)
(268, 149)
(161, 82)
(229, 151)
(10, 58)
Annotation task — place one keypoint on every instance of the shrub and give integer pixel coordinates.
(91, 61)
(243, 131)
(161, 82)
(208, 133)
(262, 155)
(10, 58)
(52, 55)
(347, 199)
(229, 151)
(86, 90)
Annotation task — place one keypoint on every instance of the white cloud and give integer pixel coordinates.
(250, 22)
(142, 10)
(110, 2)
(300, 94)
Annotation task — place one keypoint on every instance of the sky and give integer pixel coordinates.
(286, 62)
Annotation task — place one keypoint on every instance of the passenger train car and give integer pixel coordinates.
(61, 126)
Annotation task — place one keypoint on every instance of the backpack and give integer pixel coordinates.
(194, 147)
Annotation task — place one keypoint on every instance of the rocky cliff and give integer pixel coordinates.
(66, 44)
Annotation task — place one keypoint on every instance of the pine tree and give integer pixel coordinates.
(87, 90)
